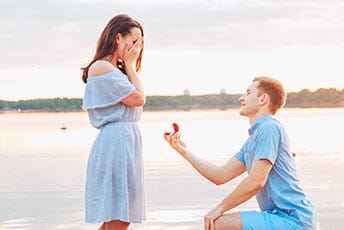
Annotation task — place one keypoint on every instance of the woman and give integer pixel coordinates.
(113, 98)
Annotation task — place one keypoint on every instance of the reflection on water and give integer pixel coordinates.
(42, 168)
(214, 134)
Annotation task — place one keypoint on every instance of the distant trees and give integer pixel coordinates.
(323, 97)
(187, 102)
(55, 104)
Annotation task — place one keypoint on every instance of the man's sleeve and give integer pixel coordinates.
(240, 155)
(268, 141)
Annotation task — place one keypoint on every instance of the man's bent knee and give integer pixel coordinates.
(229, 222)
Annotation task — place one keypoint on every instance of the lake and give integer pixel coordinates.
(42, 168)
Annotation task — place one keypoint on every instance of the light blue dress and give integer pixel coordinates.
(114, 181)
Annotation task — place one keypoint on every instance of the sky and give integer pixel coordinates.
(203, 46)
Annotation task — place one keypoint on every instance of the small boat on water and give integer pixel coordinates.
(63, 127)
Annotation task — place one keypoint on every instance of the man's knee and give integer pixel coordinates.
(229, 221)
(220, 224)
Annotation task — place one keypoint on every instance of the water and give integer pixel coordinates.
(42, 168)
(212, 133)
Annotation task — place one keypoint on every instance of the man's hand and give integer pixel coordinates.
(211, 217)
(176, 143)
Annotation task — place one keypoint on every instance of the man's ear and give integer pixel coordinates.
(264, 98)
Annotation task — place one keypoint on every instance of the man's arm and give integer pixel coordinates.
(214, 173)
(247, 188)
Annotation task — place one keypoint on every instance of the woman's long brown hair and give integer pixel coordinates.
(107, 45)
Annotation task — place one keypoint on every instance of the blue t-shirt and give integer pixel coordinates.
(282, 192)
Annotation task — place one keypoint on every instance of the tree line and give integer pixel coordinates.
(322, 97)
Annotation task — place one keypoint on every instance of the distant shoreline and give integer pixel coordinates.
(321, 98)
(152, 110)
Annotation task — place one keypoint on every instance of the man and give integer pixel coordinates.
(271, 171)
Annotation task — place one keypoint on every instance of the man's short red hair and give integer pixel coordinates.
(274, 89)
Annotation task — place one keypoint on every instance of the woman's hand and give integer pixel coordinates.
(210, 218)
(131, 54)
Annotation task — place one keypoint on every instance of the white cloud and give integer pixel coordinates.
(38, 26)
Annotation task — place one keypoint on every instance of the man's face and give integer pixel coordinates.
(250, 101)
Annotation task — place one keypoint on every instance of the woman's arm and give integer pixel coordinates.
(137, 98)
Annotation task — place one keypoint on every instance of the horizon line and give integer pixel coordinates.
(159, 95)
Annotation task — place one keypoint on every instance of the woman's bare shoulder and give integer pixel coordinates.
(100, 68)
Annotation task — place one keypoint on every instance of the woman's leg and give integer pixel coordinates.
(114, 225)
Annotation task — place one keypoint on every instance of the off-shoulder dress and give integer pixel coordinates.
(114, 181)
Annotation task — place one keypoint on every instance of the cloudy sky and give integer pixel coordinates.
(200, 45)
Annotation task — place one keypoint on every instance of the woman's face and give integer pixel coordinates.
(130, 39)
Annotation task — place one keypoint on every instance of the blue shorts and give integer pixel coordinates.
(252, 220)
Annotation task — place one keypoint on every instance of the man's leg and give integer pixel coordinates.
(229, 221)
(253, 220)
